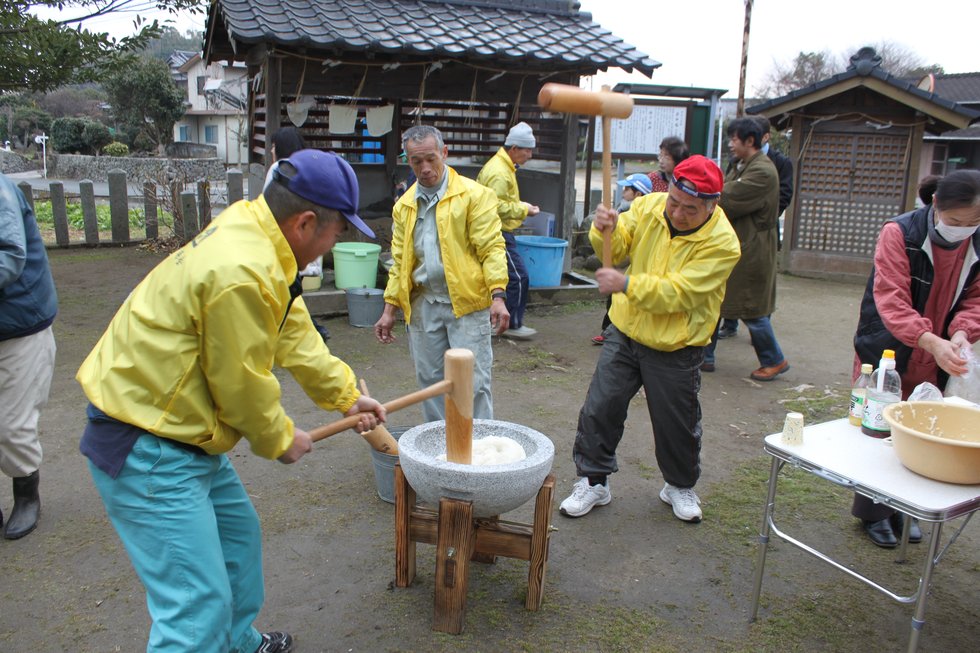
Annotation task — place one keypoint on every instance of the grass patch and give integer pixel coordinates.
(817, 404)
(535, 358)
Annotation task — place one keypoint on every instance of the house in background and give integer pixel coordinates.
(959, 148)
(216, 105)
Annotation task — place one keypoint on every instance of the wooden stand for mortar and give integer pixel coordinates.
(459, 538)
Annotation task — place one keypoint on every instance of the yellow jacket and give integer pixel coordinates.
(500, 175)
(189, 355)
(469, 240)
(676, 285)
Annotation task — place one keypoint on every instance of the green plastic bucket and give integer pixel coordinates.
(355, 265)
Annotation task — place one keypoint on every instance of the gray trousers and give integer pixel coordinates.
(432, 331)
(672, 381)
(26, 368)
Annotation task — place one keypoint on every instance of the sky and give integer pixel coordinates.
(699, 42)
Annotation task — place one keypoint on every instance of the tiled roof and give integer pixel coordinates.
(961, 87)
(538, 34)
(864, 66)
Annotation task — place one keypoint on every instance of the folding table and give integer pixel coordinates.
(838, 452)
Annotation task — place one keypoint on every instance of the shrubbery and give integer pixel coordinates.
(79, 135)
(116, 149)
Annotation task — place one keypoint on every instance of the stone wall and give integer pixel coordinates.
(96, 168)
(12, 162)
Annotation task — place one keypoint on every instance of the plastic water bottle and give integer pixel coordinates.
(885, 388)
(858, 393)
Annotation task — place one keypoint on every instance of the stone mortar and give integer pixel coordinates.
(493, 489)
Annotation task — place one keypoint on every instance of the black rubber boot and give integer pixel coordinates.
(27, 507)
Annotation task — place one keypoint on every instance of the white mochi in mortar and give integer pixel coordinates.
(494, 450)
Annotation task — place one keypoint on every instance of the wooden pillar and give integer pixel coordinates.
(59, 211)
(456, 541)
(404, 544)
(119, 206)
(150, 217)
(915, 157)
(539, 544)
(86, 192)
(273, 105)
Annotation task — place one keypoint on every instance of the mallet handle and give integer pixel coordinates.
(434, 390)
(607, 197)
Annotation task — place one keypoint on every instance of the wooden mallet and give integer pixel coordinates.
(458, 388)
(564, 98)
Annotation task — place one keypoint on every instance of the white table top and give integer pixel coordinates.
(872, 466)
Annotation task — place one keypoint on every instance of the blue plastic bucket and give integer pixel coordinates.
(543, 258)
(355, 265)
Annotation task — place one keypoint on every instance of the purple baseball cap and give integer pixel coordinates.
(325, 179)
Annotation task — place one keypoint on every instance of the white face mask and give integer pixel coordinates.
(954, 234)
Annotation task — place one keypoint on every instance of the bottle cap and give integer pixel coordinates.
(888, 353)
(866, 368)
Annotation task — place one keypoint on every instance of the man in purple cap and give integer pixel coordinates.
(664, 309)
(184, 371)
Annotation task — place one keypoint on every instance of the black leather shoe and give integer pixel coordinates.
(897, 520)
(881, 533)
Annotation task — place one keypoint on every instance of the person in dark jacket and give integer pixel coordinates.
(28, 305)
(784, 167)
(750, 200)
(923, 301)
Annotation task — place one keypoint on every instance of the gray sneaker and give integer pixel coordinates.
(584, 498)
(520, 333)
(684, 502)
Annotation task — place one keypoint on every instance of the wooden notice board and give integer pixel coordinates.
(640, 134)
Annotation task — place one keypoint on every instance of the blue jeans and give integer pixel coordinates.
(517, 282)
(193, 537)
(763, 341)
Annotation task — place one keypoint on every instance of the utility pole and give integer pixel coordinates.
(740, 106)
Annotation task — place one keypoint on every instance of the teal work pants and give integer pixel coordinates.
(194, 539)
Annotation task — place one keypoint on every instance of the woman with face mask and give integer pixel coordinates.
(923, 301)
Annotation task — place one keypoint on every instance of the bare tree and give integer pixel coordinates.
(810, 67)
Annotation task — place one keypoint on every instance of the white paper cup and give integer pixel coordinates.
(793, 429)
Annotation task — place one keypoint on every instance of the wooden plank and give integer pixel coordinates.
(404, 542)
(539, 544)
(453, 551)
(501, 538)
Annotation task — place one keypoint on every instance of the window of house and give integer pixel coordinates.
(939, 156)
(200, 84)
(211, 134)
(183, 133)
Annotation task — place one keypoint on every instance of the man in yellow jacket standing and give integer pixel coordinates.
(184, 371)
(664, 311)
(499, 175)
(449, 270)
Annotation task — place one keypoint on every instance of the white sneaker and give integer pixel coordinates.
(684, 502)
(584, 498)
(520, 333)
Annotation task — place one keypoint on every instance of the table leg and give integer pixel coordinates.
(904, 543)
(760, 563)
(918, 619)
